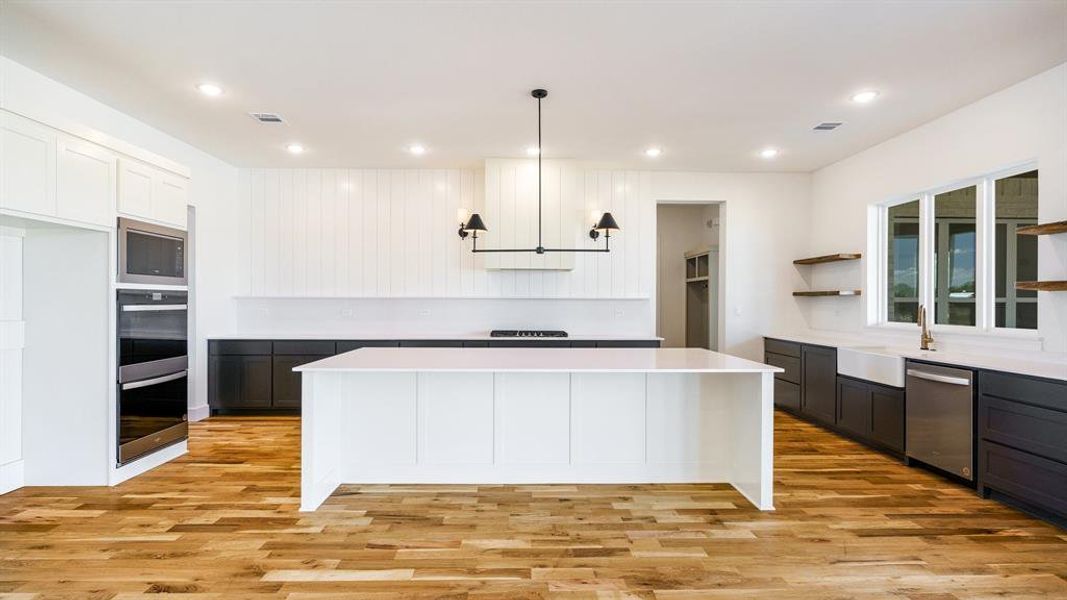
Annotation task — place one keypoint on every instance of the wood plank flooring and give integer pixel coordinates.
(222, 523)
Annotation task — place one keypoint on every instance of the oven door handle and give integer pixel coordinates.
(147, 382)
(153, 307)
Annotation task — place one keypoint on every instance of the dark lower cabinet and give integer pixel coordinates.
(286, 382)
(853, 406)
(887, 416)
(871, 413)
(786, 395)
(256, 376)
(237, 382)
(818, 382)
(1022, 442)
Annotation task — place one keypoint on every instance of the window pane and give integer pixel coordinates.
(1016, 255)
(903, 262)
(954, 253)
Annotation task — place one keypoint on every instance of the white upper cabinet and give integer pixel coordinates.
(135, 188)
(146, 192)
(512, 218)
(171, 200)
(27, 165)
(85, 182)
(47, 172)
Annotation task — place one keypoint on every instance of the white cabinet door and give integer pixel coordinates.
(169, 200)
(27, 165)
(85, 182)
(135, 188)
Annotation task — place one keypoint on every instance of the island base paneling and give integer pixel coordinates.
(513, 427)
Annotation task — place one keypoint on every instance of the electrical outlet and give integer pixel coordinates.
(425, 312)
(347, 312)
(619, 313)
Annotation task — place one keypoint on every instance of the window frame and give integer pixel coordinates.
(985, 257)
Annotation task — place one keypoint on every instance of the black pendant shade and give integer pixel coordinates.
(607, 222)
(474, 223)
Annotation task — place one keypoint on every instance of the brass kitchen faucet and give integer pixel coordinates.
(925, 338)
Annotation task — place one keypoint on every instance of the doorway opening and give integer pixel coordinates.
(687, 275)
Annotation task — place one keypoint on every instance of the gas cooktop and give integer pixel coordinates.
(528, 333)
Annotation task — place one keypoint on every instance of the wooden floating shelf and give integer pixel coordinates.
(830, 293)
(1043, 229)
(695, 279)
(818, 260)
(1042, 286)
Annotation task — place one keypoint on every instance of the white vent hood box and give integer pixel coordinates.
(510, 213)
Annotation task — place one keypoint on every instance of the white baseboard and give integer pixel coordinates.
(12, 476)
(199, 413)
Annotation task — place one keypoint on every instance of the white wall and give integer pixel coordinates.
(1025, 122)
(212, 190)
(680, 228)
(12, 341)
(386, 234)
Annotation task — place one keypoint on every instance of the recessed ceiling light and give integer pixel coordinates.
(294, 148)
(533, 151)
(209, 89)
(653, 152)
(768, 153)
(865, 96)
(417, 149)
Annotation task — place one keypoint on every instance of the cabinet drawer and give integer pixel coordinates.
(323, 347)
(347, 345)
(1030, 428)
(1035, 480)
(431, 344)
(790, 364)
(239, 347)
(780, 347)
(786, 395)
(1042, 392)
(529, 344)
(627, 344)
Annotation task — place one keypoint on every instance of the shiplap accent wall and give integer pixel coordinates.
(511, 213)
(392, 233)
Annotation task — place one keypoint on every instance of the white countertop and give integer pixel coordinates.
(1048, 369)
(561, 360)
(469, 337)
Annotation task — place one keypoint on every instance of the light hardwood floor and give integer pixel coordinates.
(222, 523)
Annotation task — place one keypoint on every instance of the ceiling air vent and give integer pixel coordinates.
(267, 117)
(827, 126)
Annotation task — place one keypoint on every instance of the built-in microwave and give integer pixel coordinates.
(152, 254)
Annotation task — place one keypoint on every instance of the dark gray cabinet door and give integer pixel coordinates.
(854, 406)
(239, 382)
(786, 395)
(286, 393)
(818, 399)
(887, 416)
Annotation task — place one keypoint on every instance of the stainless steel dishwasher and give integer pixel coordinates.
(940, 417)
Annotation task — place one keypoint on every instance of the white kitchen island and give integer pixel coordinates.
(536, 416)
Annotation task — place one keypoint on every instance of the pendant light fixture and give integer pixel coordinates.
(474, 223)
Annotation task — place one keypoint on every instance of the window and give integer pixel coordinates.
(956, 251)
(903, 266)
(955, 246)
(1015, 255)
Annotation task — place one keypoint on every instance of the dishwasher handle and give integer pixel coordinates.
(938, 378)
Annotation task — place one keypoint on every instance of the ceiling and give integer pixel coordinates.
(710, 83)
